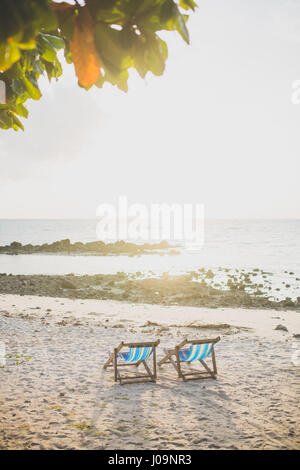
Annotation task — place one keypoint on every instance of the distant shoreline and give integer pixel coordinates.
(97, 248)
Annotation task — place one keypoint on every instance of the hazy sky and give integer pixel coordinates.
(218, 128)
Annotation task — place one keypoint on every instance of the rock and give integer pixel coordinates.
(65, 284)
(288, 302)
(164, 328)
(210, 274)
(118, 325)
(281, 328)
(150, 323)
(15, 245)
(296, 335)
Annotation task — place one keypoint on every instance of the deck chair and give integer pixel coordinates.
(136, 355)
(198, 351)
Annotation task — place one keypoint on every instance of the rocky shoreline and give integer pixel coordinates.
(97, 248)
(185, 290)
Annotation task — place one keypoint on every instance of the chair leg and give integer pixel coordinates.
(180, 375)
(115, 365)
(109, 361)
(148, 370)
(129, 380)
(214, 361)
(174, 363)
(211, 373)
(154, 364)
(196, 375)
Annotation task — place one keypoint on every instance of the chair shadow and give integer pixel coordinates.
(149, 415)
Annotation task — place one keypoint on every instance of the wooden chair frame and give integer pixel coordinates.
(151, 376)
(194, 374)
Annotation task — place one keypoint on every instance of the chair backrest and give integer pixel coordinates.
(199, 349)
(139, 354)
(138, 351)
(197, 352)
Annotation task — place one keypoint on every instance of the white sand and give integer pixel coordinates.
(62, 399)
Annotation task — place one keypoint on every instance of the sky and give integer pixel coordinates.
(218, 128)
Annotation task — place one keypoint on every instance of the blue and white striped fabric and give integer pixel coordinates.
(136, 354)
(196, 352)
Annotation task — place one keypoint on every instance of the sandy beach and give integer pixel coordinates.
(54, 393)
(149, 194)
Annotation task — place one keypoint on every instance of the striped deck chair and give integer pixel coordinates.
(136, 355)
(198, 351)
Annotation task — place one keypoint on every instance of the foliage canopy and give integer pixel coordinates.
(102, 38)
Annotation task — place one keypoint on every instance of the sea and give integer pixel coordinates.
(272, 246)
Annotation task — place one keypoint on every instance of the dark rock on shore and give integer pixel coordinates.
(95, 248)
(281, 328)
(166, 290)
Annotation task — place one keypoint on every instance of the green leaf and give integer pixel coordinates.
(32, 31)
(58, 68)
(168, 11)
(47, 51)
(156, 54)
(55, 41)
(25, 45)
(9, 54)
(21, 110)
(188, 4)
(38, 67)
(19, 89)
(32, 88)
(5, 122)
(108, 44)
(181, 28)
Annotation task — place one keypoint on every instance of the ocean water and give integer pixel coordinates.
(270, 245)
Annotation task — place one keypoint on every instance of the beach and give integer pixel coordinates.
(149, 217)
(55, 394)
